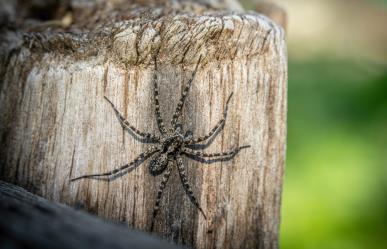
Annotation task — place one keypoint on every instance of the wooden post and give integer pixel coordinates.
(56, 125)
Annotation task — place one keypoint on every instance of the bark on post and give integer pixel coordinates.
(56, 125)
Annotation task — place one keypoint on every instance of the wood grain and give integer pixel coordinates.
(56, 125)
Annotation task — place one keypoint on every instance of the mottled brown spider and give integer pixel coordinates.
(170, 146)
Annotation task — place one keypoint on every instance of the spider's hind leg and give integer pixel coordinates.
(159, 195)
(136, 162)
(186, 185)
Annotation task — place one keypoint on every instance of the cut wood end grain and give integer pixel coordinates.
(176, 36)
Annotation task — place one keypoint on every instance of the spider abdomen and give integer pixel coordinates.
(158, 164)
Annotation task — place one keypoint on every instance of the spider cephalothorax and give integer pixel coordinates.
(170, 146)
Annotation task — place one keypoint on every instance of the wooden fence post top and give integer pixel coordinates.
(133, 34)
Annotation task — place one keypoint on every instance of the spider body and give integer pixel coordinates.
(170, 146)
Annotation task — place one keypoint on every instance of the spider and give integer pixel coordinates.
(171, 145)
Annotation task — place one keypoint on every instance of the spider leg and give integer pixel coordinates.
(159, 119)
(159, 194)
(218, 126)
(226, 154)
(125, 124)
(179, 107)
(186, 186)
(139, 158)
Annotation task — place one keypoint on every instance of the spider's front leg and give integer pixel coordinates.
(159, 119)
(179, 107)
(219, 126)
(187, 187)
(125, 124)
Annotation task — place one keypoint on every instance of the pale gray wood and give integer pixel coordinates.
(56, 125)
(29, 221)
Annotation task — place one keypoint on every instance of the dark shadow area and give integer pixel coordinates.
(29, 221)
(42, 10)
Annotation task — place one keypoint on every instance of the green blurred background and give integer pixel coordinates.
(335, 188)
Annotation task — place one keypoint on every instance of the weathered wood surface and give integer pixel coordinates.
(29, 221)
(56, 125)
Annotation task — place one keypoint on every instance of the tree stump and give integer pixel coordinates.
(56, 125)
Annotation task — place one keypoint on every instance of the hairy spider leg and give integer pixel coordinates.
(219, 125)
(217, 154)
(186, 186)
(140, 157)
(179, 107)
(159, 194)
(125, 124)
(159, 119)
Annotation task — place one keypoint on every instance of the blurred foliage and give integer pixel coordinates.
(382, 1)
(335, 187)
(336, 176)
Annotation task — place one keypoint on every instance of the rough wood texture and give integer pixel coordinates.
(56, 125)
(28, 221)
